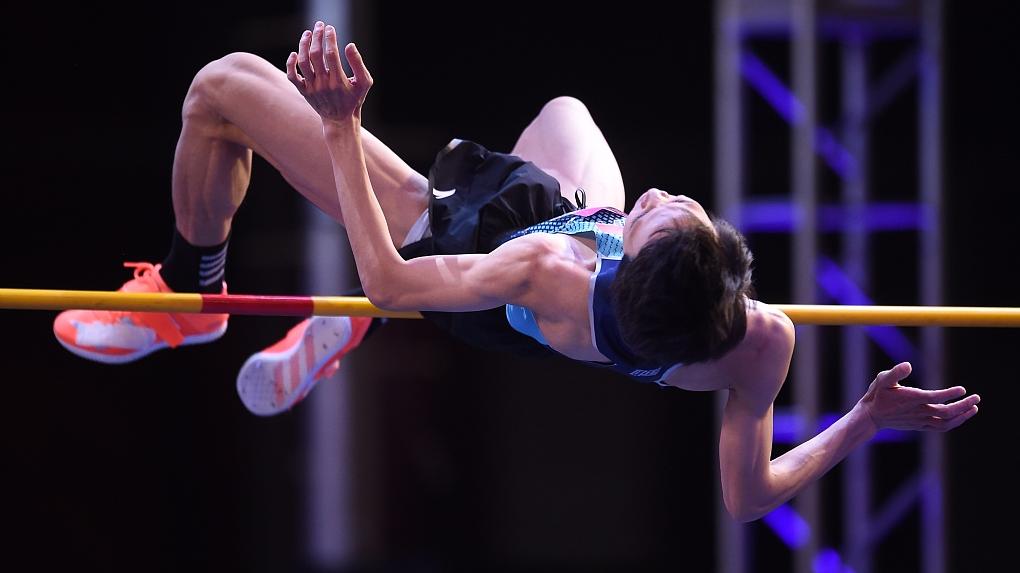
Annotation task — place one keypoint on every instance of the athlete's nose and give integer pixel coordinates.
(645, 198)
(652, 195)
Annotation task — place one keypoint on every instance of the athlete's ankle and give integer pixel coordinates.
(193, 268)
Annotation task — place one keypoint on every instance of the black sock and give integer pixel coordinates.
(189, 268)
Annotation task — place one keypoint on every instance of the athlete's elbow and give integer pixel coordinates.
(379, 293)
(393, 299)
(380, 299)
(745, 506)
(737, 509)
(745, 513)
(739, 515)
(389, 298)
(381, 288)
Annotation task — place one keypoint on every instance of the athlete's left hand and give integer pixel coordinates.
(316, 72)
(890, 405)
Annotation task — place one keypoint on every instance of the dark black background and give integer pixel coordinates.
(474, 462)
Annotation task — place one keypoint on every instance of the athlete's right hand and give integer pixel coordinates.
(317, 73)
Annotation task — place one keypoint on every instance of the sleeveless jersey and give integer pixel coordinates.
(605, 226)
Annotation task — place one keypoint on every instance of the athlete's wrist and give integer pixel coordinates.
(864, 416)
(341, 127)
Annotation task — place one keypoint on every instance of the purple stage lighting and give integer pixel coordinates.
(786, 104)
(787, 427)
(789, 526)
(780, 216)
(838, 286)
(829, 561)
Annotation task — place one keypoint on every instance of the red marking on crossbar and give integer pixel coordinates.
(258, 304)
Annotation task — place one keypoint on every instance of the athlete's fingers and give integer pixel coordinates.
(361, 73)
(302, 56)
(892, 376)
(315, 52)
(292, 73)
(935, 396)
(944, 425)
(947, 411)
(332, 58)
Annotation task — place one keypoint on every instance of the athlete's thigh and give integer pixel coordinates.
(266, 113)
(564, 141)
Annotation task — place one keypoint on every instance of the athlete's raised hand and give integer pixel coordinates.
(906, 408)
(316, 72)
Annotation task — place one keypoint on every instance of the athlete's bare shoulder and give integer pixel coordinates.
(762, 359)
(756, 365)
(769, 337)
(764, 320)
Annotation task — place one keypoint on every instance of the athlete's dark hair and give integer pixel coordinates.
(682, 297)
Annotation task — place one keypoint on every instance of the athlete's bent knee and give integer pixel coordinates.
(565, 104)
(209, 84)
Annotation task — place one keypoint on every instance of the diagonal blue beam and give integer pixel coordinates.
(786, 104)
(829, 561)
(794, 532)
(839, 287)
(788, 525)
(893, 82)
(896, 508)
(788, 426)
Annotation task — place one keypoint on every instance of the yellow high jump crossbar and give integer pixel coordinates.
(833, 315)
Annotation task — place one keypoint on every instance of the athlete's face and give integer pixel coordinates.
(657, 211)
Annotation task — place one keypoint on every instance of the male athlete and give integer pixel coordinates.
(492, 248)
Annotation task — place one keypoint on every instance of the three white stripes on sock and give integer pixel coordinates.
(211, 268)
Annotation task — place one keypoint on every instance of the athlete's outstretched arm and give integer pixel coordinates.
(754, 484)
(453, 282)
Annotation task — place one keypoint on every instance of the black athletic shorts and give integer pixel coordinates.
(479, 198)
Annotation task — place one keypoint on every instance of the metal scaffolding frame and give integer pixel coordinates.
(855, 26)
(329, 484)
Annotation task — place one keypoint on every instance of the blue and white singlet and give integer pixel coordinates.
(605, 225)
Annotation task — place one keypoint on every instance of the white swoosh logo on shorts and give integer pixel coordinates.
(443, 194)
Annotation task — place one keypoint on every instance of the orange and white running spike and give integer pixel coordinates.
(121, 336)
(277, 378)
